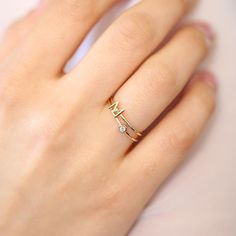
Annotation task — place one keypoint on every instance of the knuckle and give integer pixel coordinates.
(136, 29)
(158, 79)
(83, 10)
(167, 76)
(181, 136)
(148, 82)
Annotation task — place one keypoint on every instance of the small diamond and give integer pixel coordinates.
(122, 129)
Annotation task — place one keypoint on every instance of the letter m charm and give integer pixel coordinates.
(115, 110)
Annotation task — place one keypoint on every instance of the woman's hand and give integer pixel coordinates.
(65, 169)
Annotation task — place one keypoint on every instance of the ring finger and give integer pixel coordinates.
(162, 77)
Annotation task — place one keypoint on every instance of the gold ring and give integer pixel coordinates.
(123, 124)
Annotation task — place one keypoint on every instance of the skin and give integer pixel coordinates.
(65, 168)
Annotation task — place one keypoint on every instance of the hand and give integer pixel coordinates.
(65, 167)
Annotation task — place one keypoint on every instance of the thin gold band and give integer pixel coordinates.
(124, 125)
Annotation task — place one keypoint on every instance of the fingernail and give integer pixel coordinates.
(209, 78)
(207, 30)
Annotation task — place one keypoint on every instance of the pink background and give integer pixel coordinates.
(199, 199)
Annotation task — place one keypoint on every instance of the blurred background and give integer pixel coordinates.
(199, 199)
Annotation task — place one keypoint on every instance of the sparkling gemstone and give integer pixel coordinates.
(122, 129)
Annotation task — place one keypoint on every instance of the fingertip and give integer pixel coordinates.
(207, 30)
(205, 84)
(209, 78)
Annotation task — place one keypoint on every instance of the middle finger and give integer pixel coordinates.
(125, 45)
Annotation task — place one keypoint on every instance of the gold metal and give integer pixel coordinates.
(124, 125)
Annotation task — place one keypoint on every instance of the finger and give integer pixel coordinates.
(16, 33)
(62, 27)
(163, 76)
(149, 164)
(125, 45)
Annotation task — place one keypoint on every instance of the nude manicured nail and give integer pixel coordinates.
(209, 78)
(207, 30)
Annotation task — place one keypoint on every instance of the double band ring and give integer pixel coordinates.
(123, 124)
